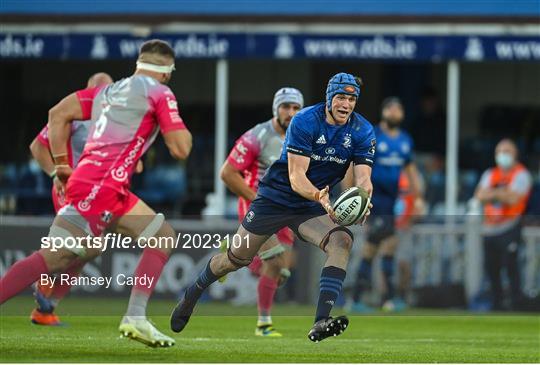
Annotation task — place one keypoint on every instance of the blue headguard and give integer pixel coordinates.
(341, 83)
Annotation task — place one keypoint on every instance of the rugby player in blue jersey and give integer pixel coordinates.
(320, 144)
(394, 154)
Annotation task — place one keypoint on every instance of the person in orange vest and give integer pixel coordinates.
(504, 191)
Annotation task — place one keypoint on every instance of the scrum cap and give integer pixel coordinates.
(287, 95)
(341, 83)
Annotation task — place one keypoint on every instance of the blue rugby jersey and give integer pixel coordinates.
(331, 149)
(393, 153)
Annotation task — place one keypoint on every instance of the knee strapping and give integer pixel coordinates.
(285, 275)
(237, 261)
(153, 227)
(271, 252)
(326, 238)
(63, 234)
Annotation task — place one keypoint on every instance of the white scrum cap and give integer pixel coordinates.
(287, 95)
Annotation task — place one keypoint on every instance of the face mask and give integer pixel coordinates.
(504, 160)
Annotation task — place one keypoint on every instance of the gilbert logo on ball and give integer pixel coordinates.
(351, 206)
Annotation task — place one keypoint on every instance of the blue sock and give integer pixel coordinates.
(388, 273)
(331, 282)
(363, 278)
(204, 280)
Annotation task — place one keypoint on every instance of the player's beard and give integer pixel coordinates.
(283, 125)
(392, 123)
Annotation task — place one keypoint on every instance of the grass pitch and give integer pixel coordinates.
(215, 336)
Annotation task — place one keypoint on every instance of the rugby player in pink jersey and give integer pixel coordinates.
(126, 115)
(249, 159)
(48, 296)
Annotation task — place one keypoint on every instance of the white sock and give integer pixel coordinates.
(264, 320)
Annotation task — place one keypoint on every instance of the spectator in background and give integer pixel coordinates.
(429, 129)
(504, 191)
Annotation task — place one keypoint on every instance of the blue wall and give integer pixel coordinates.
(276, 7)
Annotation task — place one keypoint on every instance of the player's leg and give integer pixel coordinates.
(47, 260)
(49, 296)
(141, 222)
(262, 221)
(272, 272)
(336, 241)
(404, 258)
(364, 275)
(387, 250)
(238, 255)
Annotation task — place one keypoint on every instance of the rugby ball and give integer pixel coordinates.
(351, 206)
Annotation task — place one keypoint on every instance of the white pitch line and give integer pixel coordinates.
(427, 340)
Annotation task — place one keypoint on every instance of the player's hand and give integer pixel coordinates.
(419, 208)
(63, 172)
(60, 187)
(364, 219)
(324, 200)
(139, 168)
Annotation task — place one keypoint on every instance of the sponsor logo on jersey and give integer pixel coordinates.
(84, 205)
(330, 150)
(175, 117)
(336, 159)
(106, 216)
(88, 161)
(347, 142)
(99, 153)
(250, 215)
(241, 148)
(172, 104)
(321, 140)
(237, 157)
(405, 148)
(372, 148)
(120, 173)
(393, 160)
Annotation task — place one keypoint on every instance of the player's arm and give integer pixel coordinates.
(177, 137)
(300, 140)
(298, 166)
(415, 183)
(42, 155)
(179, 143)
(60, 118)
(234, 180)
(363, 156)
(348, 179)
(362, 177)
(243, 155)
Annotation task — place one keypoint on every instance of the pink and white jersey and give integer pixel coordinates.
(77, 139)
(253, 153)
(127, 116)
